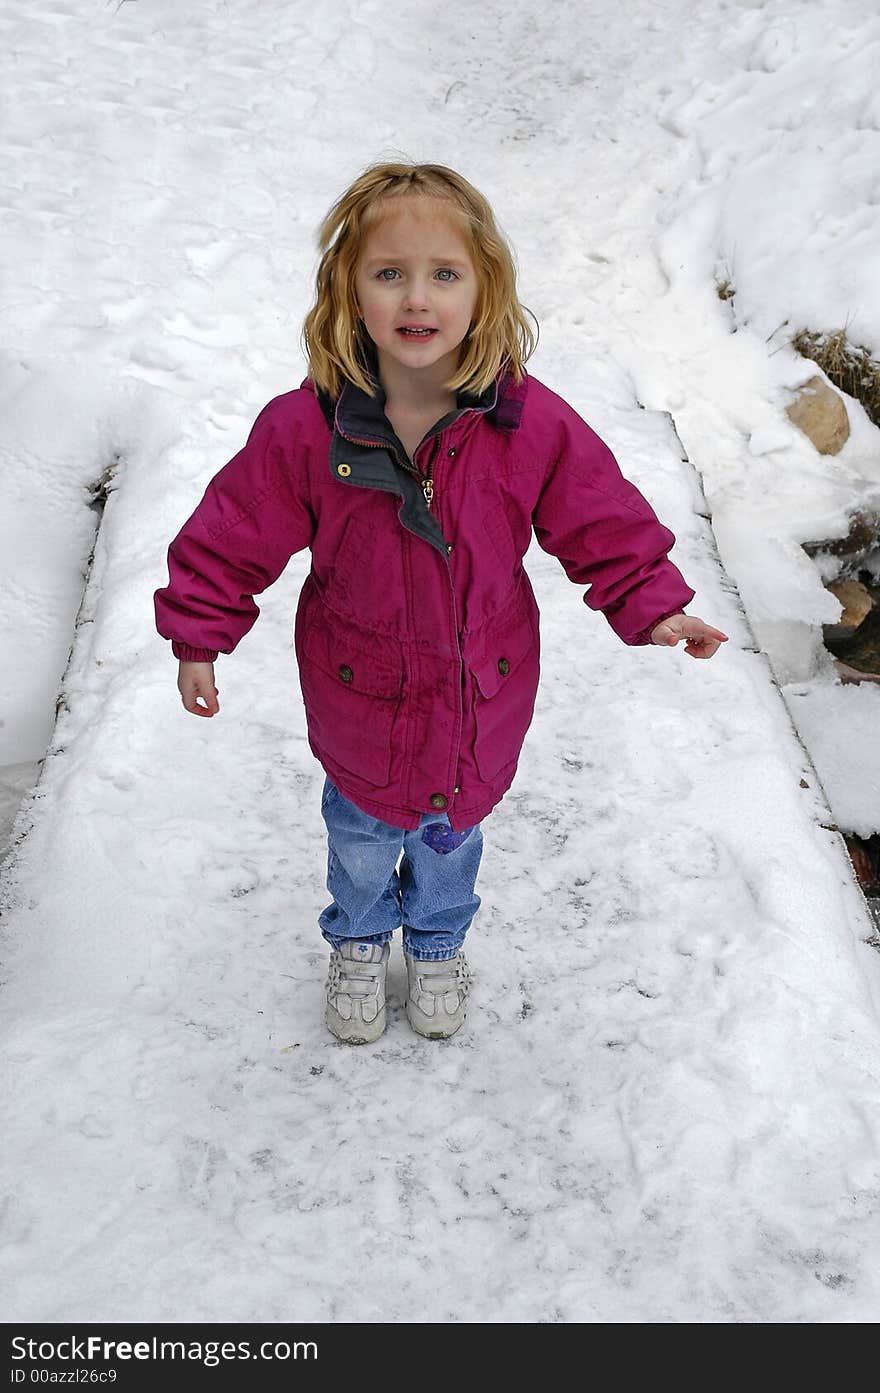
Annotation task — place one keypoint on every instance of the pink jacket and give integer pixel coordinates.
(417, 629)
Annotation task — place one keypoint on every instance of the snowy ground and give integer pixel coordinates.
(666, 1103)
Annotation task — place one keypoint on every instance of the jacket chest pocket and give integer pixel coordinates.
(505, 683)
(370, 548)
(352, 697)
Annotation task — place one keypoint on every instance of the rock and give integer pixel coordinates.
(850, 675)
(863, 536)
(857, 602)
(821, 414)
(865, 857)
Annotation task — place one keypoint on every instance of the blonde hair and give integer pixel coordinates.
(334, 338)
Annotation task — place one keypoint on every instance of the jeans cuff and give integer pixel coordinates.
(437, 956)
(336, 942)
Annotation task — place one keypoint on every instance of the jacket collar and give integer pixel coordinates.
(359, 416)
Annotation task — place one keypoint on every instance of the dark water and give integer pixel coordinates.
(862, 650)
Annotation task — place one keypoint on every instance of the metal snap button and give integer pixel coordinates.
(344, 470)
(438, 801)
(503, 666)
(346, 673)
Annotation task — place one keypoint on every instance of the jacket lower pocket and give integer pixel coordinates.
(352, 698)
(505, 683)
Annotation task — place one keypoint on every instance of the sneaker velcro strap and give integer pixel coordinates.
(357, 986)
(438, 986)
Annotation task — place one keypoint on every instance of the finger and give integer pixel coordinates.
(208, 703)
(191, 704)
(699, 629)
(198, 701)
(196, 710)
(701, 648)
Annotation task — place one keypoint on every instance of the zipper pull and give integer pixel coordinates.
(428, 490)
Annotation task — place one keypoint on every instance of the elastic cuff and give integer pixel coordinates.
(185, 653)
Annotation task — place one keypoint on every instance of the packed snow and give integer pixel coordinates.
(665, 1105)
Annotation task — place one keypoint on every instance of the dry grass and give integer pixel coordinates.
(850, 367)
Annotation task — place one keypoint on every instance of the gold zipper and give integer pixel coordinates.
(427, 479)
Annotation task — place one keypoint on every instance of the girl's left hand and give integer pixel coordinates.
(701, 640)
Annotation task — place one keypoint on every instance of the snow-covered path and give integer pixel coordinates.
(666, 1103)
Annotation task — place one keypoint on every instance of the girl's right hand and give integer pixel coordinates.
(195, 681)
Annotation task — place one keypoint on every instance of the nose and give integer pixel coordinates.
(416, 294)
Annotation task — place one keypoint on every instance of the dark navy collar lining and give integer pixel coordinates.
(357, 415)
(361, 417)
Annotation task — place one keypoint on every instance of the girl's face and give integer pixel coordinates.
(416, 287)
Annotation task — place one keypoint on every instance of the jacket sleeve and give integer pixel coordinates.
(254, 516)
(607, 536)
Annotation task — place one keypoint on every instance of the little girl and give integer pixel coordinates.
(415, 461)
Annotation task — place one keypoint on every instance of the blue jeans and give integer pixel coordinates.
(431, 892)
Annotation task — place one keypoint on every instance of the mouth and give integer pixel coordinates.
(411, 332)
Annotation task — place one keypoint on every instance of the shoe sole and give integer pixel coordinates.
(426, 1032)
(376, 1030)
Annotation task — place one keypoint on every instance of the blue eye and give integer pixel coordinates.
(386, 274)
(447, 274)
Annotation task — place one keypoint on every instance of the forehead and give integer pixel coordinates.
(431, 227)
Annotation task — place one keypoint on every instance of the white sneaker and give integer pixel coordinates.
(436, 997)
(356, 992)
